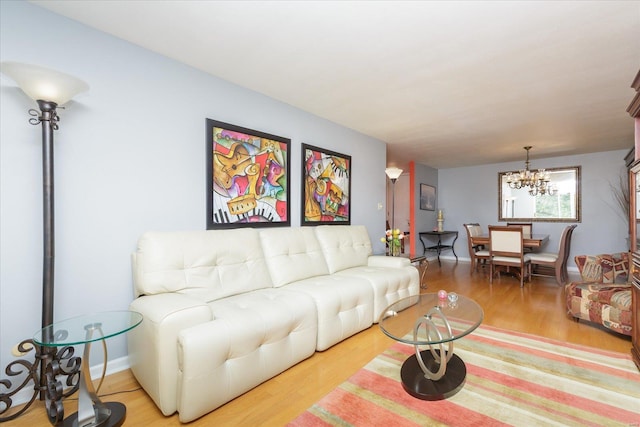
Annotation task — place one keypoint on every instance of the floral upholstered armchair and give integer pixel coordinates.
(603, 295)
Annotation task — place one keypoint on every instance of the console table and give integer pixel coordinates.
(439, 246)
(85, 330)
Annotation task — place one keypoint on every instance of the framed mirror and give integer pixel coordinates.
(562, 205)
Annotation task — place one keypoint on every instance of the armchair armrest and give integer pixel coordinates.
(153, 354)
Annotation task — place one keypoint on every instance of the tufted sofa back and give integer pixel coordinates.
(214, 264)
(207, 265)
(344, 246)
(292, 254)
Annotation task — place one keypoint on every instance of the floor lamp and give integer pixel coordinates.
(393, 174)
(49, 89)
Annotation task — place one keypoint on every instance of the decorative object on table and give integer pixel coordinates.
(539, 182)
(50, 89)
(326, 187)
(440, 221)
(247, 177)
(393, 239)
(442, 294)
(427, 197)
(518, 379)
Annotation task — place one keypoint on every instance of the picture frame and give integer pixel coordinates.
(248, 176)
(326, 187)
(427, 197)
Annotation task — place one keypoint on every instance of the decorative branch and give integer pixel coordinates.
(621, 195)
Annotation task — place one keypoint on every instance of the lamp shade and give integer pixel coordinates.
(393, 173)
(44, 84)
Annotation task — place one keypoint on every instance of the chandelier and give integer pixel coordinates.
(539, 182)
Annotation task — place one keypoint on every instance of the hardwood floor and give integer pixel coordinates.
(538, 308)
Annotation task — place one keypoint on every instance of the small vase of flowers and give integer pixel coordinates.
(393, 240)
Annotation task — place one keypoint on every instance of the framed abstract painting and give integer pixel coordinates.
(247, 177)
(326, 187)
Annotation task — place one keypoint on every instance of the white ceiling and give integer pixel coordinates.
(446, 84)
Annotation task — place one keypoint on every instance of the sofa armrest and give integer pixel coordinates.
(388, 261)
(153, 346)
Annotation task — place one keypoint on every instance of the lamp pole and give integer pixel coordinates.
(49, 89)
(49, 120)
(393, 174)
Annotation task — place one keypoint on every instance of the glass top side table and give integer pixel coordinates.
(430, 321)
(85, 330)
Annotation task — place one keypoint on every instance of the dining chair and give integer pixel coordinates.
(506, 249)
(554, 264)
(477, 253)
(527, 228)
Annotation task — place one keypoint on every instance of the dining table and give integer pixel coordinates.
(533, 241)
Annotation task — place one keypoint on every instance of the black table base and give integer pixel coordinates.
(417, 385)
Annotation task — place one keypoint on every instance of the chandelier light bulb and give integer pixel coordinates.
(538, 181)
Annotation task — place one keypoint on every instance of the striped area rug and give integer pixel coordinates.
(512, 379)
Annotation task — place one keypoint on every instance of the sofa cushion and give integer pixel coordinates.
(344, 306)
(206, 265)
(607, 304)
(292, 254)
(253, 337)
(615, 267)
(589, 268)
(344, 246)
(604, 268)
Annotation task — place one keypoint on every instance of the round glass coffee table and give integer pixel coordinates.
(427, 321)
(85, 330)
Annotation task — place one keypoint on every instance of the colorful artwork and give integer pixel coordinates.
(326, 188)
(247, 177)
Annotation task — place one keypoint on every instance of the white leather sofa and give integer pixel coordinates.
(225, 310)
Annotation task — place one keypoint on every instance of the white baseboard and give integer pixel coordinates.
(113, 366)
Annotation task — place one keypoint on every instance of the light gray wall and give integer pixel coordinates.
(471, 195)
(129, 157)
(425, 220)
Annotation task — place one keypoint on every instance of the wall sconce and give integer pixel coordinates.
(50, 89)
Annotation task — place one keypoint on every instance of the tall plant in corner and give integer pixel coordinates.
(621, 196)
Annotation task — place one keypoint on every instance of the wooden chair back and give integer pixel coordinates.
(473, 229)
(506, 248)
(527, 228)
(506, 241)
(565, 244)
